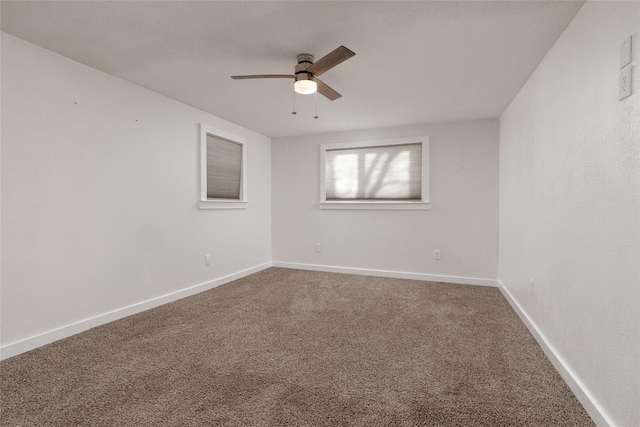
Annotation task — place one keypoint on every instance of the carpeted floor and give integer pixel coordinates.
(298, 348)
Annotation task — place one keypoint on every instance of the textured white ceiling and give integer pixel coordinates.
(416, 62)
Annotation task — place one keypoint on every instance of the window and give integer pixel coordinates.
(223, 170)
(387, 174)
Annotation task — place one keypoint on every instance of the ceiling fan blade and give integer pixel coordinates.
(264, 76)
(330, 60)
(327, 91)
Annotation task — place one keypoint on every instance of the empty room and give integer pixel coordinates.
(320, 213)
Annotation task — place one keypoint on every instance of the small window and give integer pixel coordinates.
(223, 170)
(387, 174)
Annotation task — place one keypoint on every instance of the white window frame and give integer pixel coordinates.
(423, 204)
(206, 203)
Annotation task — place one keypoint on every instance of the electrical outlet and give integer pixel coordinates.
(436, 254)
(207, 259)
(625, 83)
(318, 247)
(532, 287)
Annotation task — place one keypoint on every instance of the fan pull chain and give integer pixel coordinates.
(316, 95)
(294, 103)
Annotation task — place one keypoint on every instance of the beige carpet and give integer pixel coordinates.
(298, 348)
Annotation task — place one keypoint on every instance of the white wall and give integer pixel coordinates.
(100, 185)
(463, 221)
(570, 210)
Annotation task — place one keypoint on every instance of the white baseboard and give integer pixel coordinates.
(18, 347)
(386, 273)
(591, 405)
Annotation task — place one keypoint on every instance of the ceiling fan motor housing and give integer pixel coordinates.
(305, 60)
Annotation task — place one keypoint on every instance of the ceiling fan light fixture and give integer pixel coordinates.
(307, 71)
(305, 87)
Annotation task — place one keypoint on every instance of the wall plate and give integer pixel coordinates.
(625, 82)
(625, 52)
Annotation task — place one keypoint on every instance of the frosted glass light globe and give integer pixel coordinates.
(305, 87)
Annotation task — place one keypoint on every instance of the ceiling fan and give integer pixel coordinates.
(306, 73)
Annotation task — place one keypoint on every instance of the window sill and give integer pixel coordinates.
(223, 204)
(383, 205)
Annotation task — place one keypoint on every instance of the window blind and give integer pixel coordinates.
(224, 168)
(391, 172)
